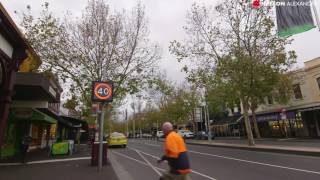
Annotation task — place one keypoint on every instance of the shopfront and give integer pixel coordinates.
(311, 118)
(282, 126)
(27, 121)
(14, 50)
(29, 113)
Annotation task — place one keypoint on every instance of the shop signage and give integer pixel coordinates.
(198, 114)
(283, 114)
(5, 46)
(23, 113)
(52, 91)
(102, 91)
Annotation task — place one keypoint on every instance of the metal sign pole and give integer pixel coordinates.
(101, 122)
(208, 121)
(313, 3)
(127, 123)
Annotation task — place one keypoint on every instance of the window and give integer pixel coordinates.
(1, 74)
(318, 81)
(270, 99)
(297, 91)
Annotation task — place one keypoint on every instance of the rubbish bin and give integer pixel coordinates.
(95, 153)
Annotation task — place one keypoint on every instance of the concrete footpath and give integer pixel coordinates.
(39, 167)
(287, 146)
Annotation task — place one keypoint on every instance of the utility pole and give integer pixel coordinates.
(127, 122)
(315, 13)
(134, 119)
(207, 118)
(209, 128)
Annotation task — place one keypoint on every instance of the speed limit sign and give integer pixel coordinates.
(102, 91)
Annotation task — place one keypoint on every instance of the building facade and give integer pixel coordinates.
(300, 117)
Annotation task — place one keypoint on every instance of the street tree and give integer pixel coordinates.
(100, 45)
(239, 48)
(174, 102)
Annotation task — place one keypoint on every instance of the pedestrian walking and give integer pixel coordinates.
(175, 154)
(26, 140)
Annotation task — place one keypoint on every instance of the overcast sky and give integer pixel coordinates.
(166, 18)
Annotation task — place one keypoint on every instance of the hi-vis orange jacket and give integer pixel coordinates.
(176, 154)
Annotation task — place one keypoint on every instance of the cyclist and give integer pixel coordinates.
(175, 154)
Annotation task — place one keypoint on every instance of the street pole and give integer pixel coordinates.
(101, 137)
(127, 123)
(205, 117)
(134, 125)
(157, 126)
(209, 129)
(315, 13)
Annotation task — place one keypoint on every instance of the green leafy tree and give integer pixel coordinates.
(101, 45)
(237, 46)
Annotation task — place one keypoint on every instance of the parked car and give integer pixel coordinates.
(117, 139)
(145, 135)
(186, 133)
(160, 134)
(202, 135)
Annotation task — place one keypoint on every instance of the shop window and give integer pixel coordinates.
(274, 125)
(297, 91)
(270, 100)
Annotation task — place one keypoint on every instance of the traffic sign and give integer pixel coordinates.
(102, 91)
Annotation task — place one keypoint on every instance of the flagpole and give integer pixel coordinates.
(315, 13)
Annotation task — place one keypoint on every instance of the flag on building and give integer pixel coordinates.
(294, 17)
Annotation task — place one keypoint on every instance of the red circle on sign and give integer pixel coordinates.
(96, 89)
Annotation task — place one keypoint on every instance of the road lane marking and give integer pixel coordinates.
(118, 168)
(141, 162)
(148, 163)
(155, 145)
(193, 171)
(254, 162)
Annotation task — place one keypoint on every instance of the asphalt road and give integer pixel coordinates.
(138, 162)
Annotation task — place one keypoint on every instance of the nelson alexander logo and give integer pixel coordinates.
(256, 4)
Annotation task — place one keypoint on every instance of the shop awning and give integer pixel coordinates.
(73, 122)
(35, 87)
(230, 120)
(33, 115)
(309, 109)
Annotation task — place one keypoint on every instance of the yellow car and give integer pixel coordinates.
(117, 139)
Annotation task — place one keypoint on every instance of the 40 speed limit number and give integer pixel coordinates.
(102, 91)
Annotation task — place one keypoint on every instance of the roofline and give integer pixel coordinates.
(19, 33)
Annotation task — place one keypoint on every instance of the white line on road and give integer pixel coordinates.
(155, 145)
(254, 162)
(193, 171)
(141, 162)
(148, 163)
(118, 168)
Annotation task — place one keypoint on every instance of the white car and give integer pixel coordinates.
(160, 134)
(186, 133)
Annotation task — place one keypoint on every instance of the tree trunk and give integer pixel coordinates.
(256, 128)
(247, 124)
